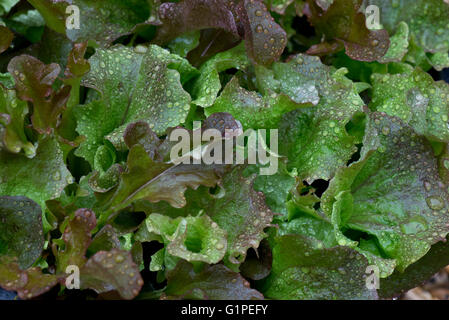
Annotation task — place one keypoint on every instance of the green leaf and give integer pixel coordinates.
(134, 85)
(342, 211)
(208, 85)
(398, 46)
(185, 43)
(242, 213)
(398, 196)
(427, 20)
(190, 238)
(252, 110)
(7, 5)
(21, 229)
(214, 282)
(303, 269)
(276, 188)
(40, 179)
(314, 227)
(12, 117)
(416, 273)
(315, 139)
(102, 21)
(28, 23)
(415, 98)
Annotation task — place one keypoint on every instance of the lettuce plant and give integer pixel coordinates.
(92, 204)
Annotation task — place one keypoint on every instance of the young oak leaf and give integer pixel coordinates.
(77, 238)
(213, 282)
(156, 181)
(343, 22)
(409, 210)
(303, 269)
(141, 84)
(34, 82)
(190, 238)
(21, 229)
(416, 99)
(12, 124)
(103, 21)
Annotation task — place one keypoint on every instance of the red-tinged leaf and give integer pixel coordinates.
(28, 283)
(6, 37)
(38, 283)
(112, 270)
(34, 82)
(77, 238)
(343, 21)
(265, 40)
(77, 66)
(190, 15)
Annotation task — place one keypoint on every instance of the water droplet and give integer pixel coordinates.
(446, 163)
(57, 176)
(435, 203)
(415, 225)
